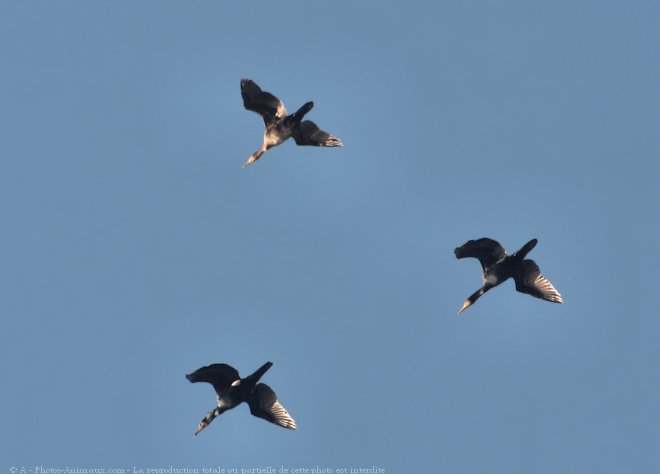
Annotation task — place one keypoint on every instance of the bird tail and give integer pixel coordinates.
(303, 110)
(522, 253)
(260, 372)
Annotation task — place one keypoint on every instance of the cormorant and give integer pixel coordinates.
(279, 125)
(498, 266)
(232, 390)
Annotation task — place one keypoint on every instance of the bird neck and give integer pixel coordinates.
(210, 416)
(477, 294)
(257, 154)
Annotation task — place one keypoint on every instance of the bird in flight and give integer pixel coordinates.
(232, 390)
(280, 126)
(497, 267)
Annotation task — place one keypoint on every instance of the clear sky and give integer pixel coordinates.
(135, 248)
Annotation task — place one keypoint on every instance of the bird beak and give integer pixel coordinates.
(201, 426)
(249, 161)
(466, 303)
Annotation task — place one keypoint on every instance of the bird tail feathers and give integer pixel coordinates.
(302, 111)
(261, 371)
(522, 253)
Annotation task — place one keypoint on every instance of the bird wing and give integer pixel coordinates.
(529, 280)
(487, 251)
(308, 133)
(263, 403)
(264, 103)
(221, 376)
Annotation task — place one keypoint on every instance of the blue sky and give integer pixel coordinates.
(135, 247)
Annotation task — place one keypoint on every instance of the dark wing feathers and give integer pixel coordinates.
(308, 133)
(487, 251)
(221, 376)
(264, 404)
(529, 280)
(264, 103)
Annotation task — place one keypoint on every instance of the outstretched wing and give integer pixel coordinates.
(487, 251)
(264, 103)
(529, 280)
(307, 133)
(263, 403)
(221, 376)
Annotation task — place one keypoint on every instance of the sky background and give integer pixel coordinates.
(135, 248)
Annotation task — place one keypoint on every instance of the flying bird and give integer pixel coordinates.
(497, 267)
(232, 390)
(280, 126)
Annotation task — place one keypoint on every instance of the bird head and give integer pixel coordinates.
(465, 306)
(202, 424)
(205, 422)
(256, 155)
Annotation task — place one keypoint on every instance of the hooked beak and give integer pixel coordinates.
(466, 304)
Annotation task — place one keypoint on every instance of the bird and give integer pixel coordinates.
(232, 390)
(497, 267)
(280, 126)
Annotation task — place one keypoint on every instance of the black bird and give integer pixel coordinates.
(279, 125)
(232, 390)
(498, 267)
